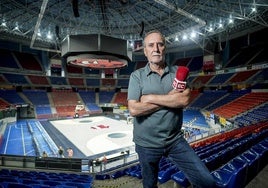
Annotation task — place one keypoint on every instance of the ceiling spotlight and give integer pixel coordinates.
(4, 24)
(16, 29)
(193, 34)
(39, 33)
(184, 37)
(49, 36)
(210, 29)
(231, 20)
(176, 38)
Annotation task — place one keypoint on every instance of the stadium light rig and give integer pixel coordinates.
(95, 51)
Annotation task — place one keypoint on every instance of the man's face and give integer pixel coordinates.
(154, 48)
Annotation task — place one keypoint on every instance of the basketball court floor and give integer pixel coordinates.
(95, 135)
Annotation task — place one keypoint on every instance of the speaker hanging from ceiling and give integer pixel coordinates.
(75, 8)
(142, 29)
(58, 39)
(57, 31)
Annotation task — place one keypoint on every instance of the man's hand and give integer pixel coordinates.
(180, 98)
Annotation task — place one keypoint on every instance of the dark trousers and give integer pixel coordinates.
(182, 155)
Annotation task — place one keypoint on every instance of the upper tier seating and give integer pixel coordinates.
(261, 56)
(38, 80)
(7, 59)
(242, 104)
(58, 80)
(194, 95)
(228, 98)
(207, 97)
(201, 80)
(243, 56)
(196, 64)
(16, 79)
(108, 82)
(28, 61)
(76, 82)
(220, 79)
(11, 96)
(242, 76)
(260, 76)
(74, 70)
(182, 62)
(93, 82)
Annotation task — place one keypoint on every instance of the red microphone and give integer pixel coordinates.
(179, 81)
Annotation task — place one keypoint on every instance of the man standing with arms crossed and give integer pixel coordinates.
(157, 109)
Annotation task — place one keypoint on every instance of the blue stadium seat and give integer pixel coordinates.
(263, 153)
(102, 176)
(232, 174)
(118, 174)
(78, 185)
(132, 168)
(165, 175)
(65, 186)
(11, 179)
(138, 174)
(40, 186)
(223, 178)
(17, 185)
(252, 159)
(30, 181)
(51, 183)
(180, 178)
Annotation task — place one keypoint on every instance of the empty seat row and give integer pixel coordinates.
(36, 179)
(237, 172)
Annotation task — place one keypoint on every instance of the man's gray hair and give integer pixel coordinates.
(154, 31)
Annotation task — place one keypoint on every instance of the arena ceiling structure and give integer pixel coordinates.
(43, 24)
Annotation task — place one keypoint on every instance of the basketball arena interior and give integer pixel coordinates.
(70, 91)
